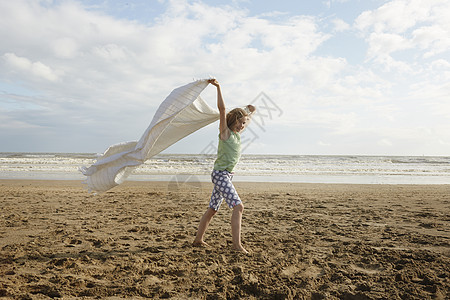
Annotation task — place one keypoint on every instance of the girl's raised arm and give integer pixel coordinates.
(223, 128)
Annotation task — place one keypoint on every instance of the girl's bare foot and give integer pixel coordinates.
(240, 249)
(200, 244)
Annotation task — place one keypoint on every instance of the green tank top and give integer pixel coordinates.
(228, 152)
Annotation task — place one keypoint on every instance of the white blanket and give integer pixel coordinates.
(179, 115)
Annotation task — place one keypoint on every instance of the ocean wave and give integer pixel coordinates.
(407, 167)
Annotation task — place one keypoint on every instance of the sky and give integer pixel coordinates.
(328, 77)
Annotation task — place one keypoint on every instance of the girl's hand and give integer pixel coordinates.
(214, 82)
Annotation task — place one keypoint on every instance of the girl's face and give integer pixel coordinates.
(240, 124)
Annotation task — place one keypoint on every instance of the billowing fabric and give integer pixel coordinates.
(179, 115)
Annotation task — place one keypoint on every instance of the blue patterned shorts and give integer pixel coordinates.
(223, 189)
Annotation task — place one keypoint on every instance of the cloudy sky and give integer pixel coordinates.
(368, 77)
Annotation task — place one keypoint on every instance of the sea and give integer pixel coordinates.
(350, 169)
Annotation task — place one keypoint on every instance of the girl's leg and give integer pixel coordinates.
(236, 220)
(204, 222)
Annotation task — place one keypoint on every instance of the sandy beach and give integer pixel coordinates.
(307, 241)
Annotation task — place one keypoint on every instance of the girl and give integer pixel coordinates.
(228, 153)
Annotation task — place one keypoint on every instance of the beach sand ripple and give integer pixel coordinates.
(307, 241)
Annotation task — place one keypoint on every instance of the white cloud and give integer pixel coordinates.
(111, 52)
(396, 16)
(24, 66)
(404, 24)
(65, 47)
(435, 39)
(340, 25)
(329, 3)
(383, 44)
(441, 64)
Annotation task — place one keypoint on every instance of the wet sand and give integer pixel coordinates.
(307, 241)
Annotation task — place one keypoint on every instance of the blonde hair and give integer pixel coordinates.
(235, 115)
